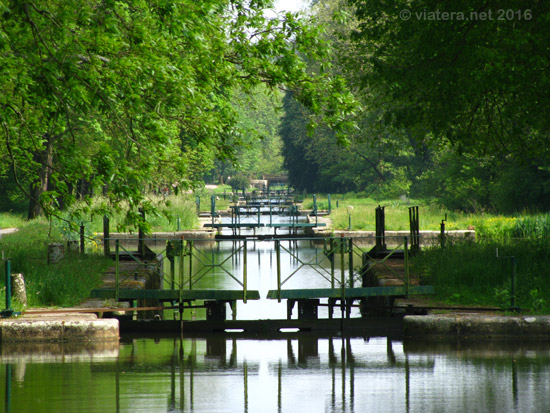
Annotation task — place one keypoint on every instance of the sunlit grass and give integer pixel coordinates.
(487, 225)
(467, 273)
(65, 283)
(11, 220)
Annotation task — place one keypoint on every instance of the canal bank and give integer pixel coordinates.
(88, 328)
(476, 327)
(63, 326)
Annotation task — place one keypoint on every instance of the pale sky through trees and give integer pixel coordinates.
(290, 5)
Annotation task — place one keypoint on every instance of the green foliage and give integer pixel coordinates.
(239, 182)
(258, 145)
(397, 214)
(11, 220)
(471, 274)
(480, 83)
(537, 226)
(62, 284)
(119, 97)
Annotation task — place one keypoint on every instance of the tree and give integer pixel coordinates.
(480, 82)
(375, 158)
(127, 94)
(258, 144)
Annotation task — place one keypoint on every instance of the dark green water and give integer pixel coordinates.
(299, 374)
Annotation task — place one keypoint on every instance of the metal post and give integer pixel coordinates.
(141, 234)
(117, 275)
(315, 204)
(406, 264)
(329, 205)
(244, 271)
(442, 234)
(350, 252)
(342, 277)
(414, 228)
(513, 295)
(278, 253)
(213, 207)
(82, 238)
(106, 235)
(513, 286)
(190, 243)
(179, 223)
(331, 255)
(172, 273)
(7, 266)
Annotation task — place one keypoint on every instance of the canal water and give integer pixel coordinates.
(293, 372)
(296, 374)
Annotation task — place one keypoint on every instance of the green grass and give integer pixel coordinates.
(11, 220)
(487, 226)
(66, 283)
(362, 211)
(469, 273)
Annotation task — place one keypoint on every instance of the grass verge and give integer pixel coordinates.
(65, 283)
(467, 273)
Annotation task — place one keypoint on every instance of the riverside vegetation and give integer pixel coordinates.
(464, 273)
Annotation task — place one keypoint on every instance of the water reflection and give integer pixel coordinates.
(303, 372)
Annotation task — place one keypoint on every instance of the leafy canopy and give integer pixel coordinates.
(125, 95)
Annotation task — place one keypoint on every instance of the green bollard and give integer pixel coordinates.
(8, 285)
(8, 312)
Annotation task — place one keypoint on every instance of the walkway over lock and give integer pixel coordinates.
(338, 265)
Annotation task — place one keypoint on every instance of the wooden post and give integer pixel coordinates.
(278, 252)
(82, 238)
(117, 250)
(406, 264)
(342, 278)
(141, 234)
(244, 272)
(106, 235)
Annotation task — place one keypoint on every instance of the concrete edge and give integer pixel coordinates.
(58, 329)
(476, 327)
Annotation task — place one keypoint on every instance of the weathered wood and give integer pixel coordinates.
(309, 293)
(174, 295)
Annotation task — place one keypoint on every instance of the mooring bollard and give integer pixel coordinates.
(18, 289)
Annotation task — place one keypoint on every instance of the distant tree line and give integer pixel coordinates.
(455, 110)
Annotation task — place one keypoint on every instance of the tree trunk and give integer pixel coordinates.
(40, 184)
